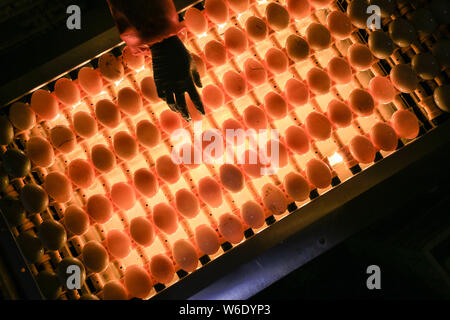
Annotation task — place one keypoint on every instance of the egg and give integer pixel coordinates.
(206, 239)
(235, 40)
(274, 199)
(102, 158)
(441, 51)
(339, 70)
(358, 14)
(297, 187)
(380, 44)
(44, 104)
(318, 80)
(275, 105)
(170, 121)
(280, 158)
(123, 196)
(84, 124)
(16, 163)
(58, 187)
(276, 61)
(132, 61)
(52, 234)
(231, 177)
(277, 16)
(405, 124)
(234, 84)
(297, 92)
(210, 192)
(199, 65)
(165, 218)
(424, 21)
(252, 163)
(381, 89)
(185, 255)
(442, 97)
(22, 116)
(148, 89)
(320, 3)
(425, 65)
(255, 72)
(95, 256)
(13, 210)
(318, 36)
(339, 113)
(125, 147)
(30, 246)
(383, 137)
(298, 9)
(215, 53)
(141, 231)
(63, 139)
(6, 131)
(195, 21)
(90, 81)
(361, 102)
(339, 25)
(107, 113)
(110, 67)
(217, 11)
(64, 272)
(145, 182)
(81, 173)
(362, 149)
(387, 7)
(147, 134)
(231, 124)
(402, 32)
(40, 152)
(167, 170)
(212, 96)
(360, 56)
(297, 139)
(187, 155)
(186, 203)
(239, 6)
(231, 228)
(212, 144)
(114, 290)
(404, 78)
(67, 92)
(256, 29)
(99, 208)
(48, 284)
(255, 118)
(297, 48)
(129, 101)
(252, 214)
(318, 126)
(318, 173)
(118, 243)
(76, 220)
(162, 268)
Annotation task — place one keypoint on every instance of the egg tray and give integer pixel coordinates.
(333, 152)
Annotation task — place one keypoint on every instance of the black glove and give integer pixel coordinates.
(175, 73)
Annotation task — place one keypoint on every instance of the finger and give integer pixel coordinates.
(195, 97)
(181, 105)
(170, 100)
(197, 78)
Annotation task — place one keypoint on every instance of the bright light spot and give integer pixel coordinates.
(335, 159)
(239, 16)
(118, 82)
(222, 26)
(103, 92)
(140, 69)
(204, 34)
(262, 1)
(76, 104)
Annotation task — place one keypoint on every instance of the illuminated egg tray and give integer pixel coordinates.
(102, 193)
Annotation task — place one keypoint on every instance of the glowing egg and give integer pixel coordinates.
(186, 203)
(362, 149)
(297, 48)
(381, 89)
(107, 113)
(125, 146)
(22, 116)
(44, 104)
(67, 92)
(441, 51)
(256, 29)
(114, 290)
(165, 218)
(210, 192)
(145, 182)
(339, 25)
(360, 56)
(380, 44)
(318, 36)
(137, 281)
(255, 72)
(129, 101)
(297, 187)
(235, 40)
(95, 256)
(231, 177)
(199, 64)
(425, 65)
(84, 124)
(185, 255)
(215, 53)
(277, 16)
(90, 81)
(320, 3)
(34, 198)
(239, 6)
(276, 60)
(102, 158)
(147, 134)
(167, 169)
(217, 11)
(123, 196)
(40, 152)
(132, 61)
(148, 89)
(297, 92)
(318, 80)
(76, 220)
(162, 268)
(361, 102)
(279, 158)
(58, 187)
(255, 118)
(187, 155)
(402, 32)
(299, 9)
(274, 199)
(231, 228)
(16, 163)
(252, 214)
(252, 163)
(206, 239)
(297, 139)
(234, 84)
(339, 70)
(275, 105)
(170, 121)
(118, 243)
(99, 208)
(358, 14)
(231, 124)
(442, 97)
(81, 173)
(110, 67)
(339, 113)
(404, 78)
(384, 137)
(318, 173)
(405, 124)
(212, 142)
(195, 21)
(213, 96)
(318, 126)
(52, 234)
(63, 139)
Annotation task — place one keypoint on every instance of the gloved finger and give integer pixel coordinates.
(181, 105)
(195, 97)
(170, 100)
(196, 78)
